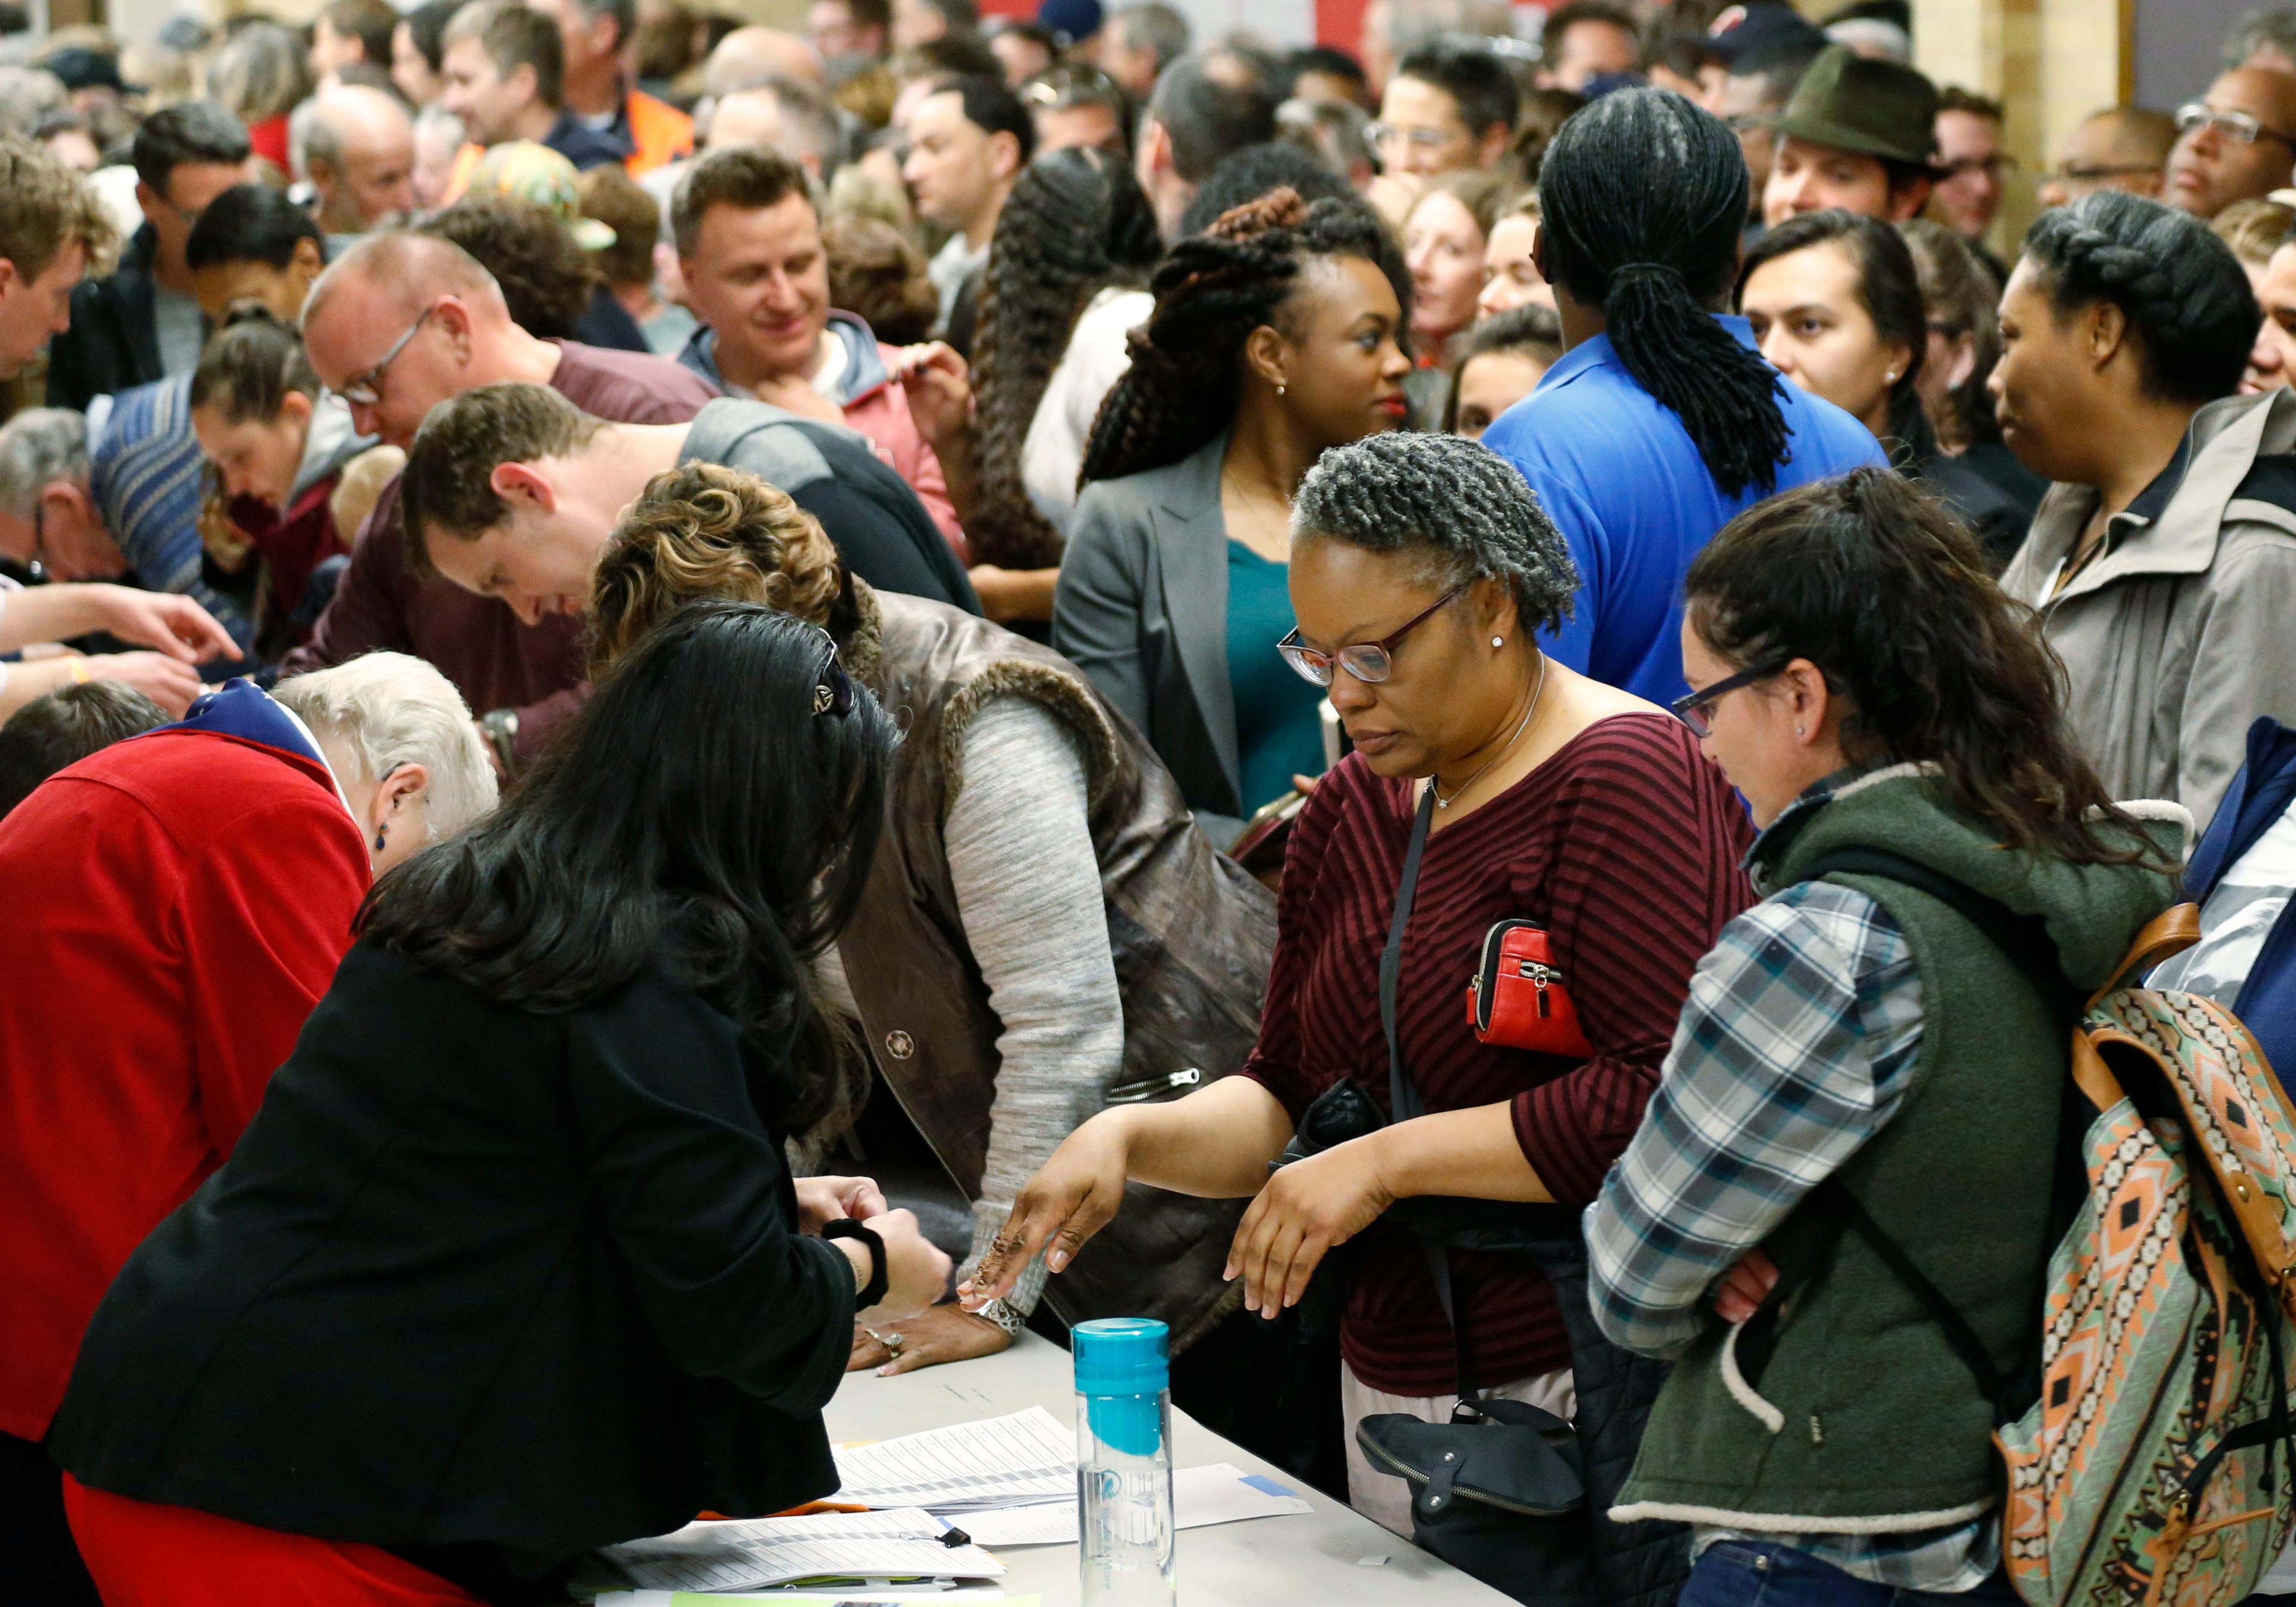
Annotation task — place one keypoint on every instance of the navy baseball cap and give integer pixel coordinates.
(1744, 29)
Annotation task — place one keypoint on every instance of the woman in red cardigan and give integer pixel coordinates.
(1422, 566)
(170, 909)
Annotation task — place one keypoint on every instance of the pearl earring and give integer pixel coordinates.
(1280, 388)
(1499, 641)
(1799, 732)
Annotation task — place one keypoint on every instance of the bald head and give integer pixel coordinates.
(356, 146)
(749, 56)
(2120, 148)
(433, 295)
(786, 113)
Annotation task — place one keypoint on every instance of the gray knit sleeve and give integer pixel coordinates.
(1028, 894)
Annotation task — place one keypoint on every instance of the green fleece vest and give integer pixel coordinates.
(1864, 1419)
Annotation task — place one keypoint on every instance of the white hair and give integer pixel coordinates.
(39, 448)
(389, 709)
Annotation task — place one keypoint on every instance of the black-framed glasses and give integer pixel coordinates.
(366, 390)
(1368, 661)
(833, 688)
(1691, 710)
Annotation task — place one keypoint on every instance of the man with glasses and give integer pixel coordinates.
(2236, 141)
(2120, 148)
(1078, 107)
(1976, 167)
(1447, 107)
(400, 323)
(143, 323)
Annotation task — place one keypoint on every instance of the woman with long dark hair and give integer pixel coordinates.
(2161, 560)
(1835, 302)
(1662, 420)
(1276, 336)
(1857, 1049)
(510, 1265)
(1068, 268)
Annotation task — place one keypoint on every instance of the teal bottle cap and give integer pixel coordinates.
(1122, 1356)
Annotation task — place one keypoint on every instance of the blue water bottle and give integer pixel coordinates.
(1124, 1461)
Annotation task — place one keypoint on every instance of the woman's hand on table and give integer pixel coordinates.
(1073, 1196)
(1308, 1208)
(821, 1201)
(937, 1335)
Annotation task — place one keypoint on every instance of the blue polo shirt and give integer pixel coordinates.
(1621, 479)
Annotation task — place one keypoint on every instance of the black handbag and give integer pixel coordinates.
(1507, 1492)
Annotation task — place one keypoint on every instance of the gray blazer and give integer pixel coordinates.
(1142, 609)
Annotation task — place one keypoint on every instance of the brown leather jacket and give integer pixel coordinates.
(1191, 933)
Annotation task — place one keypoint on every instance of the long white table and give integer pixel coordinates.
(1309, 1557)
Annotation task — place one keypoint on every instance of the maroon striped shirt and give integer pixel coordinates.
(1625, 846)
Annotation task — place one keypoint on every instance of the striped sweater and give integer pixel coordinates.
(1625, 845)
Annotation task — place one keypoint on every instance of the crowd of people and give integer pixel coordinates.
(685, 707)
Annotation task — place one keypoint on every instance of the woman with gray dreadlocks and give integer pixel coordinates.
(1515, 801)
(1661, 422)
(1276, 335)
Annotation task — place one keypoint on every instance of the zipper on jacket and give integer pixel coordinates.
(1149, 1087)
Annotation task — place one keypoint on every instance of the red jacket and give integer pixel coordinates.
(171, 910)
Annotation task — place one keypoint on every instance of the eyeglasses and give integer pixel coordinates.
(2238, 127)
(1071, 83)
(2068, 173)
(1382, 135)
(1370, 663)
(366, 390)
(1692, 710)
(832, 689)
(2001, 164)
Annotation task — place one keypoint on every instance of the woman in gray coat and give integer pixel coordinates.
(2163, 561)
(1276, 334)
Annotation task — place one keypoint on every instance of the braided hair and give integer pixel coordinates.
(1186, 377)
(1466, 509)
(2185, 294)
(1644, 196)
(1076, 224)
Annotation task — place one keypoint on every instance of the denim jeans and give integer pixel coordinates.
(1742, 1573)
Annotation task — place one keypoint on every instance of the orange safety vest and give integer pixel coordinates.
(660, 133)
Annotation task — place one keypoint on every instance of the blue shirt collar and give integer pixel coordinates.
(1593, 354)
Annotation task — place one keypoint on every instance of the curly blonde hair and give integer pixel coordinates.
(705, 530)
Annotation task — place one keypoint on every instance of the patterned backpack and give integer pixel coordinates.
(2147, 1446)
(2155, 1465)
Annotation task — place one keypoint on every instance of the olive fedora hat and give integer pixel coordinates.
(1853, 102)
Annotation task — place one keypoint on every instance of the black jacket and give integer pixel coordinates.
(474, 1274)
(114, 339)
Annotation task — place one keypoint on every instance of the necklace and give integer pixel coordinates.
(1277, 536)
(1434, 786)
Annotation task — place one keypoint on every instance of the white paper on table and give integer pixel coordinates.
(814, 1598)
(749, 1552)
(1201, 1497)
(997, 1462)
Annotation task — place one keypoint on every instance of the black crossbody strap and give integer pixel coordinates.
(1959, 1336)
(1403, 1097)
(1403, 1093)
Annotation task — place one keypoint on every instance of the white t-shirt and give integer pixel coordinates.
(1097, 358)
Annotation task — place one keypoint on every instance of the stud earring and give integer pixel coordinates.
(1280, 388)
(1499, 641)
(1799, 732)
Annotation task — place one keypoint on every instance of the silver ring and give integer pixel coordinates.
(892, 1343)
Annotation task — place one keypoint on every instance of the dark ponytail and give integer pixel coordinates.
(1644, 197)
(251, 365)
(1883, 588)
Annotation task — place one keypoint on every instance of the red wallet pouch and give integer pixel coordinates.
(1517, 998)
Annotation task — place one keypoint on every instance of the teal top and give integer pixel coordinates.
(1278, 733)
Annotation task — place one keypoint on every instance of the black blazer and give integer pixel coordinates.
(479, 1275)
(113, 342)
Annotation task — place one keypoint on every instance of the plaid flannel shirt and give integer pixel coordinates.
(1796, 1047)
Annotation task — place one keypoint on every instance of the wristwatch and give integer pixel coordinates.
(501, 728)
(1000, 1312)
(873, 1293)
